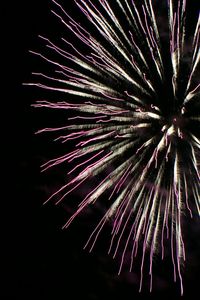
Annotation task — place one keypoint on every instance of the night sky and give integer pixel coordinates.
(43, 261)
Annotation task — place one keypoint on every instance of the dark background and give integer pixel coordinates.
(42, 261)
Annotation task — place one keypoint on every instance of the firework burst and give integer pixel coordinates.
(133, 103)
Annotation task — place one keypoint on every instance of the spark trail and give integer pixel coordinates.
(138, 108)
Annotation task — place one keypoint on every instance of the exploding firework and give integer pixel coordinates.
(133, 108)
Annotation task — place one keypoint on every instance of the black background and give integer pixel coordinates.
(42, 261)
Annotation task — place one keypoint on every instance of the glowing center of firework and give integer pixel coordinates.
(178, 121)
(176, 126)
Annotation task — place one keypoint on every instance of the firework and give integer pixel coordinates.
(133, 103)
